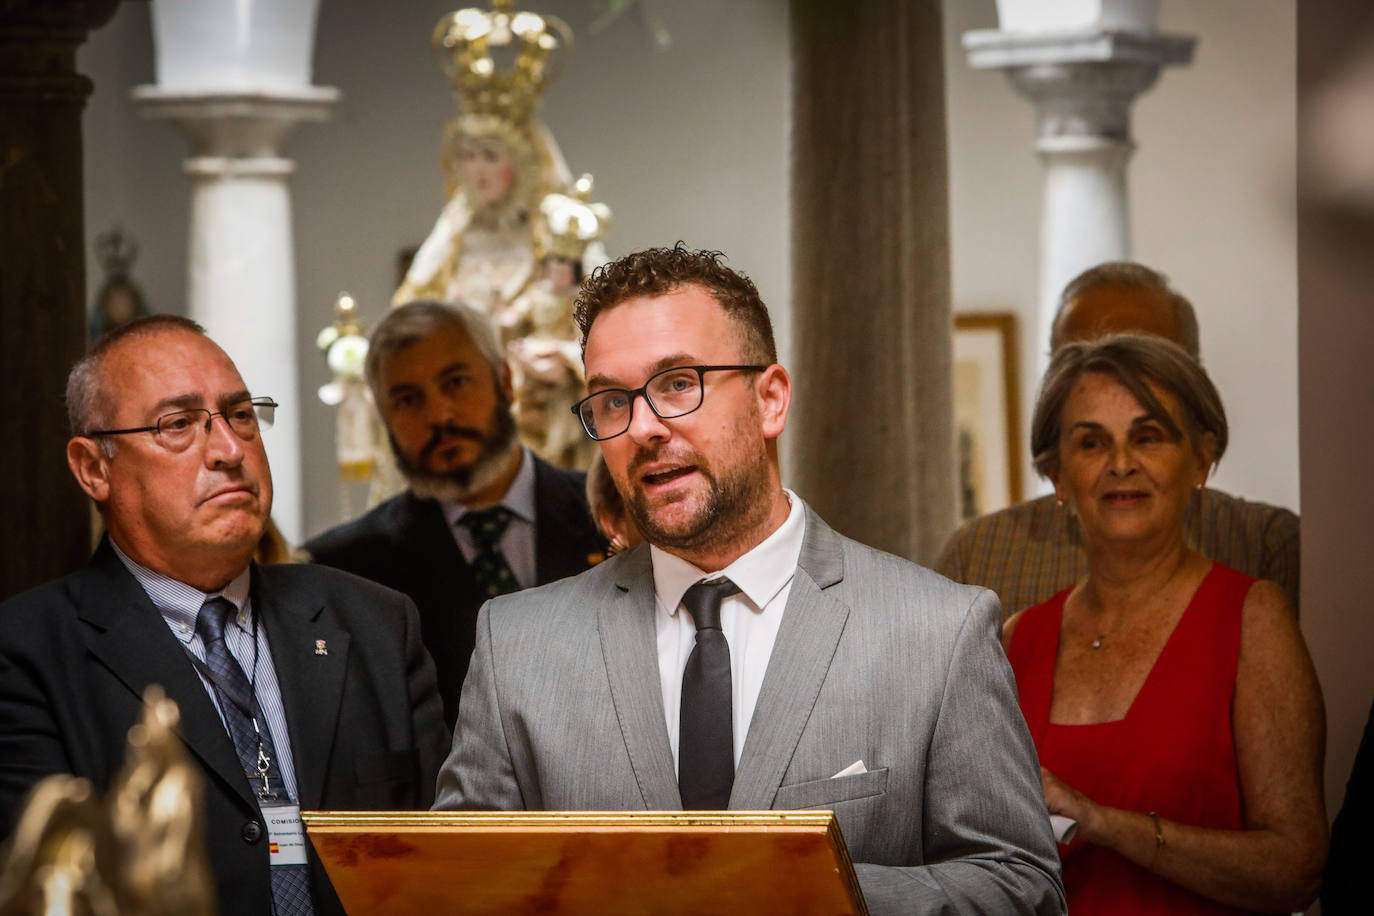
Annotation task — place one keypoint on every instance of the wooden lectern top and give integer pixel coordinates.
(573, 862)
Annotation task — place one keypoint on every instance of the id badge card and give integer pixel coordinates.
(285, 834)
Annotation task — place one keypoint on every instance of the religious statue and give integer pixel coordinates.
(541, 340)
(357, 436)
(513, 240)
(503, 242)
(120, 299)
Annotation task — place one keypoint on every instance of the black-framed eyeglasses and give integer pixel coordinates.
(178, 429)
(671, 393)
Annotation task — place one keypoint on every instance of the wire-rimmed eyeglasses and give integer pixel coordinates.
(178, 429)
(671, 393)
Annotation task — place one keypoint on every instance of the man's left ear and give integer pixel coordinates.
(774, 390)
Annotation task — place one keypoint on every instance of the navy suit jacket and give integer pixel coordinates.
(406, 544)
(365, 719)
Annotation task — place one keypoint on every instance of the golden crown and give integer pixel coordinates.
(466, 40)
(572, 221)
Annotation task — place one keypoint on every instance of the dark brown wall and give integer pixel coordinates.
(1336, 391)
(45, 521)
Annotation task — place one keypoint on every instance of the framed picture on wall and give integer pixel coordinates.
(987, 414)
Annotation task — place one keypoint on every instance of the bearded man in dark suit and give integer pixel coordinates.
(482, 515)
(299, 687)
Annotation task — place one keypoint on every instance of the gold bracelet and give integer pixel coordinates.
(1159, 838)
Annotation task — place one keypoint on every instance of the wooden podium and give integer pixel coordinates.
(572, 862)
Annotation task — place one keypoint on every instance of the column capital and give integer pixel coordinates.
(1082, 82)
(38, 42)
(236, 124)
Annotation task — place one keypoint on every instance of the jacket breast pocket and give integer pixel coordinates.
(826, 793)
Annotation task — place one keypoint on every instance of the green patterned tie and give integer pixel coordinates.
(489, 566)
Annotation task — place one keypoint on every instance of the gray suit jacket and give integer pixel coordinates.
(877, 659)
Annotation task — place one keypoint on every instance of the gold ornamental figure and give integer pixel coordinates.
(139, 853)
(498, 159)
(358, 436)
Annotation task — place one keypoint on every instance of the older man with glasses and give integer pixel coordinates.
(299, 686)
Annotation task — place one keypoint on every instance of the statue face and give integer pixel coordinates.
(488, 169)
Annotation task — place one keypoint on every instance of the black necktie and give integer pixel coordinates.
(256, 753)
(489, 566)
(706, 734)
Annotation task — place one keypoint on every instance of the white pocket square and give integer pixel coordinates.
(853, 769)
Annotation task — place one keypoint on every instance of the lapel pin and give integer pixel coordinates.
(321, 648)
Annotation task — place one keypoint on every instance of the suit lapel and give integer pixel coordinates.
(810, 632)
(311, 683)
(132, 640)
(629, 645)
(560, 548)
(439, 565)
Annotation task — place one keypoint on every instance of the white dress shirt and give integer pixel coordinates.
(179, 605)
(750, 619)
(517, 543)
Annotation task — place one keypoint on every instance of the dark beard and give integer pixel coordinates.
(735, 506)
(460, 483)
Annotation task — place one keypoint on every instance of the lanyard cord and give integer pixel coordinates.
(247, 705)
(264, 763)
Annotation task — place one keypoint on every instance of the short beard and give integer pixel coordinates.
(736, 505)
(461, 483)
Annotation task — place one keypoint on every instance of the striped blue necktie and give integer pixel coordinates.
(256, 753)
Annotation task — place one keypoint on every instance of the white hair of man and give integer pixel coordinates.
(415, 321)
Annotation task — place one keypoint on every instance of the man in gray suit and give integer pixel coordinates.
(809, 671)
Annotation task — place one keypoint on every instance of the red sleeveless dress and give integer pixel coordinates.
(1173, 752)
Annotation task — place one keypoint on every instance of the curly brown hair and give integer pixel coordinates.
(659, 271)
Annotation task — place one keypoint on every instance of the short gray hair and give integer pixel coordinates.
(1134, 360)
(1131, 275)
(90, 405)
(413, 322)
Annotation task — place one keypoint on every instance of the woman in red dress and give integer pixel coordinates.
(1172, 700)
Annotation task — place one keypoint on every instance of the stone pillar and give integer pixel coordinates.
(235, 79)
(872, 425)
(241, 283)
(42, 283)
(1082, 80)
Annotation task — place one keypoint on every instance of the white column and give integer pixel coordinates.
(242, 276)
(1082, 81)
(235, 77)
(1084, 220)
